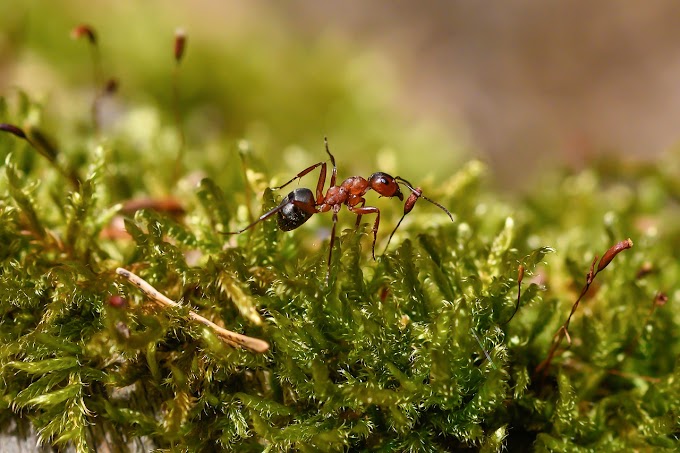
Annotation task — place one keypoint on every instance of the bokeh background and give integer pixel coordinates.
(530, 83)
(411, 87)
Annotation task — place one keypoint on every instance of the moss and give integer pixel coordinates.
(412, 352)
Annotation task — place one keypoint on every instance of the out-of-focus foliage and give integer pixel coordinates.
(245, 75)
(408, 353)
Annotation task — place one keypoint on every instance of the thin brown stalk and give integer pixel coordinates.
(563, 331)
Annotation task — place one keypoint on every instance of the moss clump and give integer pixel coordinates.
(412, 352)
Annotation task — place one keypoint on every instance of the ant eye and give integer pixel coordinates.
(380, 179)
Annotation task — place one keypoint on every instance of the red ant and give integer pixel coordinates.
(299, 205)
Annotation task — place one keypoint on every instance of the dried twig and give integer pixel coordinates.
(232, 338)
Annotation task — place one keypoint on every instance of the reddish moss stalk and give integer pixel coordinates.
(179, 50)
(563, 331)
(660, 300)
(39, 142)
(87, 31)
(520, 277)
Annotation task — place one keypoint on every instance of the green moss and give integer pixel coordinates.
(412, 352)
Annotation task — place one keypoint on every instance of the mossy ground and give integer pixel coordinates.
(411, 352)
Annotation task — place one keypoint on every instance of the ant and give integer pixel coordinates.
(299, 205)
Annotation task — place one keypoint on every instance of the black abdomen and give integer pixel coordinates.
(291, 216)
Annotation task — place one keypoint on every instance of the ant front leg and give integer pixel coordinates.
(369, 210)
(415, 194)
(408, 206)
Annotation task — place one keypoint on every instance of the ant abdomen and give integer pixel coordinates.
(296, 208)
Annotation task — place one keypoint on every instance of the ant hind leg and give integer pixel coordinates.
(303, 173)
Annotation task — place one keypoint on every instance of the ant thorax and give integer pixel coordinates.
(335, 195)
(355, 185)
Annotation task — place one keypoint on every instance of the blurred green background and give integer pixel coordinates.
(248, 73)
(524, 86)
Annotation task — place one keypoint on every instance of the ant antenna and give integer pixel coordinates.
(419, 193)
(411, 202)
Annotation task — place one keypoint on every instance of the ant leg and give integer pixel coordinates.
(320, 183)
(369, 210)
(335, 168)
(290, 218)
(330, 249)
(358, 222)
(303, 173)
(392, 233)
(322, 175)
(416, 193)
(408, 206)
(264, 216)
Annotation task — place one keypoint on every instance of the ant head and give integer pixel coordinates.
(295, 209)
(385, 185)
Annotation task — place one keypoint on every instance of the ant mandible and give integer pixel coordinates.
(299, 205)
